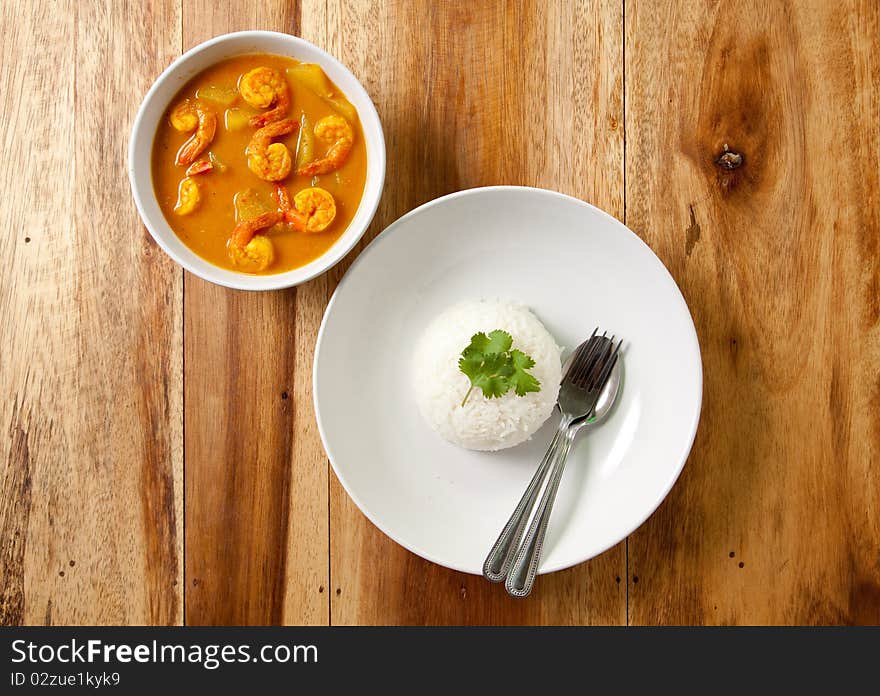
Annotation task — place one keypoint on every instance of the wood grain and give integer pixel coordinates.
(470, 95)
(90, 506)
(256, 475)
(132, 393)
(776, 518)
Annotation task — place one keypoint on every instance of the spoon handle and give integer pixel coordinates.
(521, 575)
(498, 561)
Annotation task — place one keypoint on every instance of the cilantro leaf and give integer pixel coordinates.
(494, 368)
(499, 342)
(471, 364)
(479, 342)
(496, 343)
(523, 382)
(492, 385)
(520, 360)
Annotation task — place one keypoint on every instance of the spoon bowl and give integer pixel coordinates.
(606, 400)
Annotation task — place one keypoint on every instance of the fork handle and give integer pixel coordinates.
(524, 567)
(498, 561)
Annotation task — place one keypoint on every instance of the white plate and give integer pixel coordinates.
(577, 268)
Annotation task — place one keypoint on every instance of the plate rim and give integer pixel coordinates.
(386, 234)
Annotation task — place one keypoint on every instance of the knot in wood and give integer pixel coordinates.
(728, 159)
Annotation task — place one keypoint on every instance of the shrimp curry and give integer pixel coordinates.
(259, 163)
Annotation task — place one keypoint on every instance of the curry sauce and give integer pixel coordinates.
(259, 164)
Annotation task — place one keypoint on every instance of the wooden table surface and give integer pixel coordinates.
(151, 475)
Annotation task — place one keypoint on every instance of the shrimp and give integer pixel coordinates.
(251, 250)
(188, 197)
(271, 161)
(312, 209)
(261, 88)
(282, 198)
(193, 116)
(199, 167)
(337, 131)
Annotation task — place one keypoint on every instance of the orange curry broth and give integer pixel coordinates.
(206, 230)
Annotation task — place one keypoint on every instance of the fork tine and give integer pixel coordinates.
(589, 358)
(578, 353)
(599, 357)
(584, 345)
(599, 361)
(581, 370)
(599, 382)
(596, 354)
(577, 366)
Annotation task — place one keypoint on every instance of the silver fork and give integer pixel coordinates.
(578, 395)
(573, 405)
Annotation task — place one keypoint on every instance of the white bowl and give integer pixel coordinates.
(156, 102)
(577, 268)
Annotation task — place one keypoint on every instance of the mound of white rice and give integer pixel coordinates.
(483, 424)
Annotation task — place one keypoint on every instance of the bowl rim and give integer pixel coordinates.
(245, 281)
(692, 338)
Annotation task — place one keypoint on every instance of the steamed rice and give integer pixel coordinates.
(483, 424)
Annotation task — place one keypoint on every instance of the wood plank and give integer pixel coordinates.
(776, 518)
(470, 95)
(91, 504)
(256, 486)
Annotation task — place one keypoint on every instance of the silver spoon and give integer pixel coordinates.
(573, 402)
(524, 568)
